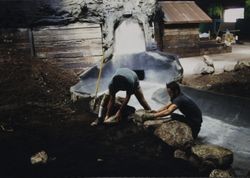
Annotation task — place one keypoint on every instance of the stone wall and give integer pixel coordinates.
(115, 12)
(27, 13)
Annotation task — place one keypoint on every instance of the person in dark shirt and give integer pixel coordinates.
(123, 80)
(192, 115)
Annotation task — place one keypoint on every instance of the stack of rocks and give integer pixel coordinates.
(212, 160)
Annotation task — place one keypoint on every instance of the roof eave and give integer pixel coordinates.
(187, 22)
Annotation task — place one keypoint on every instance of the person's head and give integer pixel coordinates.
(173, 89)
(118, 83)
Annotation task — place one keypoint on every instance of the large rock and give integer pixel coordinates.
(138, 116)
(242, 65)
(208, 60)
(213, 156)
(180, 154)
(229, 67)
(148, 124)
(218, 173)
(153, 124)
(49, 12)
(202, 68)
(175, 134)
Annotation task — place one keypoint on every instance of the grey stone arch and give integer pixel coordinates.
(111, 23)
(121, 20)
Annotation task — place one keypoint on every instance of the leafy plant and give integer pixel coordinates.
(215, 10)
(247, 9)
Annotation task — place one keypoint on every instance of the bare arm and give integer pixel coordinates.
(110, 106)
(164, 107)
(140, 97)
(171, 108)
(124, 104)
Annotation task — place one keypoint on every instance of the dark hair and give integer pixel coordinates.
(174, 86)
(118, 80)
(118, 83)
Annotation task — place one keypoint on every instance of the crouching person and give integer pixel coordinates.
(192, 115)
(123, 80)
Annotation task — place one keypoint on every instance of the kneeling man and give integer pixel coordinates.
(192, 115)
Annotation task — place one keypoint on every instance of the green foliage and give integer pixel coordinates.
(247, 9)
(247, 3)
(215, 10)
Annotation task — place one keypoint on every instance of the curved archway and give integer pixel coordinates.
(129, 38)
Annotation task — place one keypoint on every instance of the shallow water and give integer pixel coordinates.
(235, 138)
(213, 130)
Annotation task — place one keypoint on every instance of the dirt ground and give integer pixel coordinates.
(236, 83)
(36, 114)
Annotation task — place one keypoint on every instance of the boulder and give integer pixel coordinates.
(207, 70)
(204, 68)
(153, 124)
(218, 173)
(213, 156)
(175, 134)
(39, 158)
(208, 60)
(137, 118)
(229, 67)
(180, 154)
(147, 122)
(242, 65)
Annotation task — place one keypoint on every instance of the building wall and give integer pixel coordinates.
(174, 38)
(158, 29)
(184, 41)
(179, 39)
(75, 47)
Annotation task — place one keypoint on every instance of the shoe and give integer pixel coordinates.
(111, 120)
(7, 128)
(96, 122)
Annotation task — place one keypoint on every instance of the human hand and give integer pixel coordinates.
(150, 111)
(148, 116)
(106, 118)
